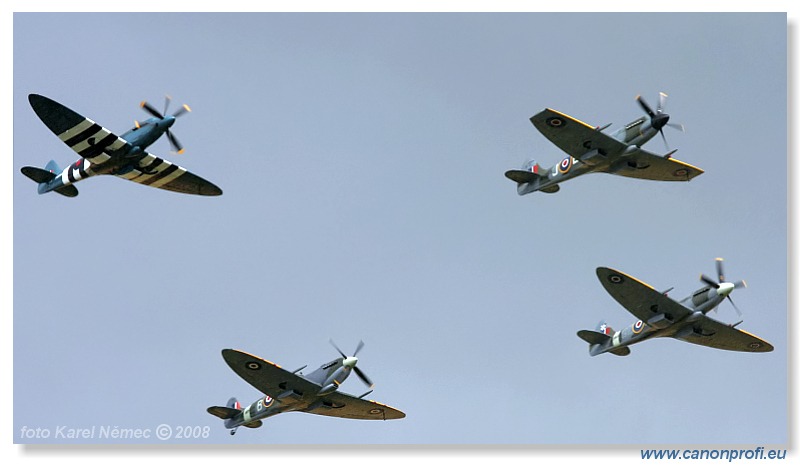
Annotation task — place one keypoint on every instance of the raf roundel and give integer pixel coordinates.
(755, 345)
(681, 172)
(615, 279)
(555, 122)
(565, 165)
(253, 365)
(638, 326)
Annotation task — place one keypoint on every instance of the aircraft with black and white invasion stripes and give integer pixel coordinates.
(661, 316)
(104, 153)
(589, 150)
(284, 391)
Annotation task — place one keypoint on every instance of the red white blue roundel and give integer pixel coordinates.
(565, 165)
(638, 326)
(555, 122)
(267, 401)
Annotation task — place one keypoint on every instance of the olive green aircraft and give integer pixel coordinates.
(590, 150)
(284, 391)
(661, 316)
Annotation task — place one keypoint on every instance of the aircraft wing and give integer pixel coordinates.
(340, 404)
(268, 377)
(639, 298)
(90, 140)
(649, 166)
(159, 173)
(573, 136)
(715, 334)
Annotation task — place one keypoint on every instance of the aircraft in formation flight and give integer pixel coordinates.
(661, 316)
(104, 153)
(589, 150)
(284, 391)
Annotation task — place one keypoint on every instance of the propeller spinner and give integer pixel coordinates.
(350, 362)
(173, 141)
(659, 118)
(723, 288)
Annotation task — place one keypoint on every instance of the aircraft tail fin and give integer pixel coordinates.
(230, 410)
(531, 172)
(45, 175)
(600, 336)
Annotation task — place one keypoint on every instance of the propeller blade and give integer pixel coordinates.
(361, 375)
(644, 106)
(358, 348)
(167, 100)
(734, 306)
(149, 109)
(740, 284)
(176, 146)
(677, 126)
(720, 272)
(662, 101)
(337, 349)
(664, 138)
(709, 281)
(182, 110)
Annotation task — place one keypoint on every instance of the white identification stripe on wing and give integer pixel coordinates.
(147, 160)
(131, 174)
(158, 169)
(75, 129)
(65, 175)
(100, 158)
(180, 171)
(117, 144)
(98, 136)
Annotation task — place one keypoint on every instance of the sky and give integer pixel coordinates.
(361, 158)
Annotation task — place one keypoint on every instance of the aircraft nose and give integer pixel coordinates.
(660, 120)
(350, 362)
(168, 121)
(725, 289)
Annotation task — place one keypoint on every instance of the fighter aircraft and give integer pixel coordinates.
(589, 150)
(661, 316)
(315, 393)
(104, 153)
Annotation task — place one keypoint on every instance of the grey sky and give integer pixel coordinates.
(361, 158)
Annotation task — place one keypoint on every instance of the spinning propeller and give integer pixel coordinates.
(173, 141)
(658, 119)
(351, 363)
(723, 288)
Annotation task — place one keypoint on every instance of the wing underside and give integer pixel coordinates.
(639, 298)
(715, 334)
(271, 379)
(159, 173)
(587, 144)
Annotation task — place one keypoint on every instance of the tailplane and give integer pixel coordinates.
(45, 176)
(599, 338)
(531, 172)
(228, 412)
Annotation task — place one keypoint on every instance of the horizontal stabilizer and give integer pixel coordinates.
(69, 191)
(223, 412)
(592, 337)
(623, 351)
(522, 176)
(254, 424)
(39, 175)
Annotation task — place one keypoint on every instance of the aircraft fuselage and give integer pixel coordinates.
(663, 325)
